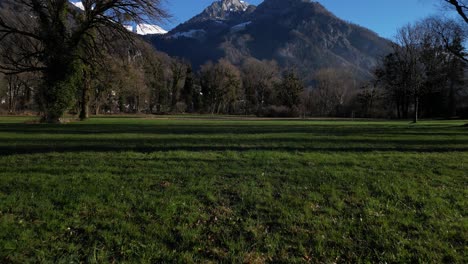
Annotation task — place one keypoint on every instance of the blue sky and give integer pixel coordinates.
(381, 16)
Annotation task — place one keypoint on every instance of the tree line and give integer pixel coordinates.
(149, 82)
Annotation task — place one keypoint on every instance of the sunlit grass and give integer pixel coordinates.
(145, 190)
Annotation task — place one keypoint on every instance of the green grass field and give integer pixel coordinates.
(136, 190)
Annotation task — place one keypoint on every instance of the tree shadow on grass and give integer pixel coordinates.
(209, 129)
(34, 139)
(17, 150)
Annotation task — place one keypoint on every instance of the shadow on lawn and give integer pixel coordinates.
(177, 145)
(213, 128)
(229, 137)
(17, 151)
(296, 142)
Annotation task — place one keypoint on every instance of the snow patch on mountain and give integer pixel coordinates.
(240, 27)
(234, 5)
(145, 29)
(194, 33)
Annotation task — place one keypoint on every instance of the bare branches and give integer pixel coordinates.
(461, 6)
(20, 43)
(39, 25)
(448, 32)
(63, 43)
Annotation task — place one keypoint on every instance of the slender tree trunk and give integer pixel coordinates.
(10, 98)
(173, 101)
(452, 104)
(174, 94)
(137, 102)
(84, 114)
(96, 105)
(398, 105)
(96, 112)
(416, 109)
(27, 97)
(406, 107)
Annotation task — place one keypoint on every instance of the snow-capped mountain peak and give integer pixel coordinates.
(222, 9)
(234, 5)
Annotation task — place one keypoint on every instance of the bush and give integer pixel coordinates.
(280, 111)
(463, 112)
(180, 108)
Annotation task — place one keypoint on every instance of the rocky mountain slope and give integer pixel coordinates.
(297, 33)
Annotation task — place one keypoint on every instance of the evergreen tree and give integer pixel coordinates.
(290, 90)
(188, 90)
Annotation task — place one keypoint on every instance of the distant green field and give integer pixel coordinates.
(192, 189)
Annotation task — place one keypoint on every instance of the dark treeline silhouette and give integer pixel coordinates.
(424, 75)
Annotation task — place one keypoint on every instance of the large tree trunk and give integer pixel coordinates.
(61, 78)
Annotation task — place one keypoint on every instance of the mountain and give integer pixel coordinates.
(297, 33)
(138, 28)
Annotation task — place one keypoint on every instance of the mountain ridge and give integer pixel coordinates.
(297, 33)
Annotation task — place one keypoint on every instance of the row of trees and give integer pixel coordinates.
(425, 73)
(149, 82)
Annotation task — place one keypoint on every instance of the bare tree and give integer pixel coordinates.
(18, 91)
(408, 53)
(221, 86)
(259, 79)
(426, 64)
(444, 57)
(178, 69)
(333, 88)
(57, 39)
(449, 34)
(187, 93)
(155, 65)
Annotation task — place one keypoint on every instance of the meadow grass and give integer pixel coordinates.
(193, 189)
